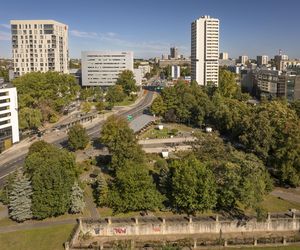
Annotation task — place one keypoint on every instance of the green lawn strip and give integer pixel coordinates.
(294, 247)
(7, 222)
(50, 238)
(154, 133)
(127, 101)
(272, 203)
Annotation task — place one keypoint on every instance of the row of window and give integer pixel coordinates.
(5, 122)
(5, 115)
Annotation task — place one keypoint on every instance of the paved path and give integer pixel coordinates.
(35, 225)
(3, 213)
(168, 140)
(286, 195)
(90, 204)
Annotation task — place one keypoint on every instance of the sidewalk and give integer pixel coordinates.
(34, 225)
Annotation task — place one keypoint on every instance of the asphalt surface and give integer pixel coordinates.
(93, 132)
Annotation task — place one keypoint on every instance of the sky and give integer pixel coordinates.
(150, 27)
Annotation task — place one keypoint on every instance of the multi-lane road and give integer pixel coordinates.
(18, 157)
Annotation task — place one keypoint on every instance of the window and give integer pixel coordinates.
(4, 122)
(5, 115)
(48, 26)
(5, 100)
(4, 108)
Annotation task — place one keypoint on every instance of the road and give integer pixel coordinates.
(14, 159)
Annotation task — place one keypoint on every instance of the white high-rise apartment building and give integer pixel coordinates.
(102, 68)
(243, 59)
(205, 50)
(39, 45)
(9, 123)
(224, 56)
(262, 60)
(175, 72)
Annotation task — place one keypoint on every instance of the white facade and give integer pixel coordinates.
(262, 60)
(175, 72)
(102, 68)
(9, 123)
(138, 76)
(224, 56)
(145, 69)
(205, 50)
(39, 45)
(243, 59)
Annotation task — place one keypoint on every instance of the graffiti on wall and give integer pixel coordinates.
(120, 230)
(156, 228)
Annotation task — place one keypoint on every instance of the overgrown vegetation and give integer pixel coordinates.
(214, 176)
(269, 130)
(43, 96)
(47, 187)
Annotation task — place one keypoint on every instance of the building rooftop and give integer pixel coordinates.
(15, 21)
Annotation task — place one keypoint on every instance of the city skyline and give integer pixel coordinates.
(150, 28)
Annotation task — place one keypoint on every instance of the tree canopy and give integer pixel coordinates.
(121, 141)
(127, 81)
(77, 137)
(52, 173)
(42, 96)
(133, 189)
(193, 186)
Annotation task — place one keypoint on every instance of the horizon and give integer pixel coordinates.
(265, 28)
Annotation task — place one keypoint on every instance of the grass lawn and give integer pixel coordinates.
(51, 238)
(7, 222)
(107, 212)
(126, 102)
(275, 204)
(154, 133)
(294, 247)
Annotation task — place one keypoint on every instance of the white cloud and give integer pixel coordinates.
(83, 34)
(5, 36)
(4, 25)
(154, 47)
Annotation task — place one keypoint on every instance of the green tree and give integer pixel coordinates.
(86, 107)
(46, 93)
(227, 84)
(52, 172)
(115, 94)
(127, 81)
(193, 186)
(228, 179)
(284, 154)
(255, 180)
(295, 105)
(5, 191)
(158, 108)
(230, 116)
(258, 136)
(100, 106)
(77, 202)
(20, 198)
(121, 141)
(101, 191)
(133, 189)
(30, 118)
(4, 74)
(77, 137)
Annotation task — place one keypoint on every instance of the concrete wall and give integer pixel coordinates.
(164, 227)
